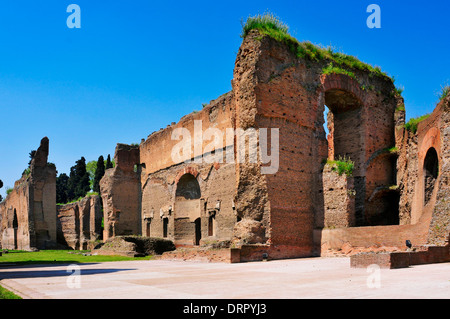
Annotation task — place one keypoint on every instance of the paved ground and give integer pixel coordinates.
(283, 279)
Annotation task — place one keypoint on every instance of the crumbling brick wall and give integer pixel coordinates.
(79, 223)
(164, 214)
(283, 213)
(276, 89)
(29, 211)
(121, 196)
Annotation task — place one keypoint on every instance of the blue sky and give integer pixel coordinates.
(136, 66)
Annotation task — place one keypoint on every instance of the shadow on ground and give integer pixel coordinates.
(25, 271)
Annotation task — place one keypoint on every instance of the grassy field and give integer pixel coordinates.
(6, 294)
(18, 257)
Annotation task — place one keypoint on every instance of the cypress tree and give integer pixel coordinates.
(62, 188)
(83, 186)
(78, 183)
(99, 172)
(108, 162)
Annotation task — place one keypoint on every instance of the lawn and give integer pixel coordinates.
(6, 294)
(18, 257)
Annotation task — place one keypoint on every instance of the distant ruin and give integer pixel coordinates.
(398, 189)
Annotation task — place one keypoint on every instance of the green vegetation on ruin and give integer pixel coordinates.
(445, 91)
(341, 166)
(413, 123)
(270, 25)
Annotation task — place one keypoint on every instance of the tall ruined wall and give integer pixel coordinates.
(121, 194)
(275, 89)
(174, 184)
(157, 150)
(29, 211)
(439, 230)
(79, 223)
(423, 201)
(209, 215)
(14, 211)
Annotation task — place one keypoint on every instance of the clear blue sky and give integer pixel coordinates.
(136, 66)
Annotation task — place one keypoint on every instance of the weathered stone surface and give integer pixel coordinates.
(120, 191)
(205, 193)
(339, 199)
(134, 246)
(79, 223)
(28, 213)
(300, 209)
(249, 231)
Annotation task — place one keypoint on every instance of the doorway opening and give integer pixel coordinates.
(187, 212)
(15, 227)
(198, 231)
(430, 173)
(165, 227)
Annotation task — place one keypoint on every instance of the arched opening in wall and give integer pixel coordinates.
(345, 140)
(187, 211)
(188, 187)
(15, 225)
(430, 173)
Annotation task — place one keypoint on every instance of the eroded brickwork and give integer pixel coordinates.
(28, 214)
(80, 223)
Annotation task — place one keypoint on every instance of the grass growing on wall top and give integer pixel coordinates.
(270, 25)
(445, 91)
(413, 123)
(331, 69)
(341, 166)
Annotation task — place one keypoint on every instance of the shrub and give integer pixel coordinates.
(267, 23)
(413, 123)
(342, 166)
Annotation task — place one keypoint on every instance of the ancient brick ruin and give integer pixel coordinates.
(28, 214)
(398, 190)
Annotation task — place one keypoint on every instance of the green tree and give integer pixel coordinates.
(99, 172)
(78, 183)
(109, 164)
(1, 185)
(91, 166)
(62, 188)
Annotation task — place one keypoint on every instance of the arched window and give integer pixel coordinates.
(188, 187)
